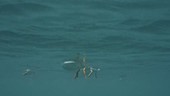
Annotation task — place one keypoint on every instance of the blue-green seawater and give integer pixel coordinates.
(129, 40)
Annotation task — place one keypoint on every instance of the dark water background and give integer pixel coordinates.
(128, 39)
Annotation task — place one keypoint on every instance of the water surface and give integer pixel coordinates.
(128, 40)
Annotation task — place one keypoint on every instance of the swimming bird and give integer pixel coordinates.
(27, 72)
(78, 65)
